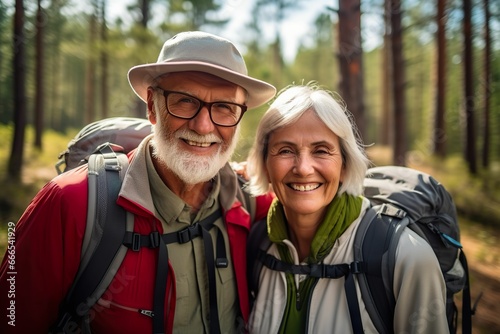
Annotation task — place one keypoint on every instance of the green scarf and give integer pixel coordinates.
(341, 212)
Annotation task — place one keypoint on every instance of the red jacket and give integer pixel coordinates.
(47, 245)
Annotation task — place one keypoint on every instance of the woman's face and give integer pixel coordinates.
(304, 165)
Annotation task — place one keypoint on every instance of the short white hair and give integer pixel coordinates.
(289, 106)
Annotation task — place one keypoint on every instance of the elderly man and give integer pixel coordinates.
(196, 94)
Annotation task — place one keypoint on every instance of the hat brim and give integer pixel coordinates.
(141, 77)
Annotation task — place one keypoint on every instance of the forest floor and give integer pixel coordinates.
(483, 255)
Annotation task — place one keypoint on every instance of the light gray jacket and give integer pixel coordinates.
(419, 289)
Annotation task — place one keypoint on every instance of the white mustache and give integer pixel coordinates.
(193, 137)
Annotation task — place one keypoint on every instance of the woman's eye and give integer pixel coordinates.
(322, 150)
(285, 151)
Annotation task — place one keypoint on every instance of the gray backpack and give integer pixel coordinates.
(103, 146)
(126, 132)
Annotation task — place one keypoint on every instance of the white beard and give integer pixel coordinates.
(190, 168)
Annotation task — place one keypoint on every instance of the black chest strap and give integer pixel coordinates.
(321, 270)
(135, 241)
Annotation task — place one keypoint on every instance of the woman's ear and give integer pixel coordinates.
(151, 105)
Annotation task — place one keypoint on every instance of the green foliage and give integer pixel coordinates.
(38, 168)
(373, 95)
(488, 247)
(249, 124)
(317, 60)
(476, 197)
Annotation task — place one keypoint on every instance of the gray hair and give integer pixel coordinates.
(289, 106)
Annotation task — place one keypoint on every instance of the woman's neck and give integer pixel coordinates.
(302, 232)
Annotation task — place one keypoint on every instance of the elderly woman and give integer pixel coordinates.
(306, 149)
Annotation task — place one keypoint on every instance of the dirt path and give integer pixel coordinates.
(483, 258)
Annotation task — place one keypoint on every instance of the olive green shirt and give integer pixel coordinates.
(188, 260)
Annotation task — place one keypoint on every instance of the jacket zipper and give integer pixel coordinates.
(309, 304)
(107, 303)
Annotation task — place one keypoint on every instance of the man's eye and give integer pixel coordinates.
(225, 107)
(187, 100)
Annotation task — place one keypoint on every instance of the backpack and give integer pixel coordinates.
(103, 145)
(126, 132)
(401, 198)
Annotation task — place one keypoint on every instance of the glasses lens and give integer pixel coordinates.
(182, 105)
(225, 113)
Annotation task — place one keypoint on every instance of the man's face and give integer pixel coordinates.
(193, 149)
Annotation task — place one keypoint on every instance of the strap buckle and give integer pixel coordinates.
(187, 234)
(136, 242)
(356, 267)
(154, 239)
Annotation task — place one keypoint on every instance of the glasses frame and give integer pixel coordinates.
(166, 93)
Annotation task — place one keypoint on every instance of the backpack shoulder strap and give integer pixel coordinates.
(102, 248)
(375, 245)
(258, 241)
(245, 198)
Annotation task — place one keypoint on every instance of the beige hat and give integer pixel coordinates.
(202, 52)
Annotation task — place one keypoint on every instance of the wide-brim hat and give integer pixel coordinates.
(201, 52)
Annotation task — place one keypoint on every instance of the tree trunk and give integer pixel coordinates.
(386, 124)
(439, 133)
(277, 59)
(140, 109)
(398, 75)
(487, 85)
(16, 155)
(90, 69)
(350, 60)
(470, 142)
(145, 12)
(39, 74)
(104, 61)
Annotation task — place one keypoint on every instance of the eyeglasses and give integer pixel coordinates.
(185, 106)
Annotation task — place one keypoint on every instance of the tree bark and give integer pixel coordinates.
(104, 62)
(351, 60)
(17, 151)
(487, 85)
(470, 143)
(39, 77)
(386, 124)
(140, 106)
(91, 66)
(398, 75)
(439, 133)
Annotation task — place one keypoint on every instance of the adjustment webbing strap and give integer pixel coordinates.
(353, 304)
(135, 241)
(324, 271)
(212, 287)
(319, 270)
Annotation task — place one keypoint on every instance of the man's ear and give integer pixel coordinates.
(151, 106)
